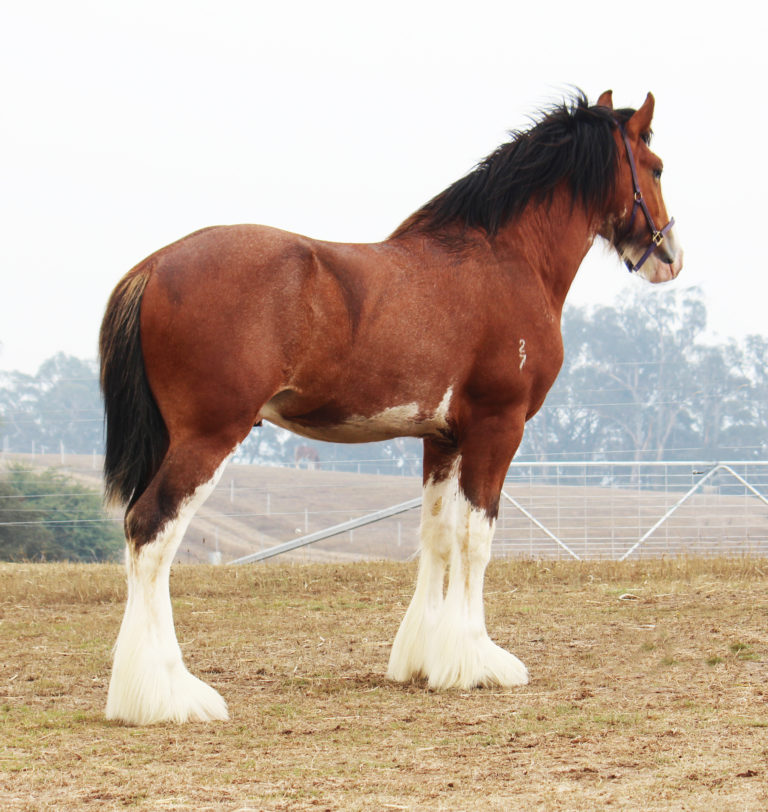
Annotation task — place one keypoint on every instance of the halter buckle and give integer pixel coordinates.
(657, 238)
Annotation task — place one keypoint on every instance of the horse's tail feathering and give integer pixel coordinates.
(136, 436)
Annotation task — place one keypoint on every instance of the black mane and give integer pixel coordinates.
(571, 142)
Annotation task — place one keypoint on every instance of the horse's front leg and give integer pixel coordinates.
(438, 525)
(443, 636)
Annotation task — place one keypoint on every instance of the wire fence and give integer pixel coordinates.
(617, 510)
(560, 509)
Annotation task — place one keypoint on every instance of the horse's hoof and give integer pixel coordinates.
(464, 660)
(171, 697)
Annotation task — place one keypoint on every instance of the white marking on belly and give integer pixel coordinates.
(407, 419)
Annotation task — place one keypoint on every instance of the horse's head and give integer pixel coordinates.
(638, 225)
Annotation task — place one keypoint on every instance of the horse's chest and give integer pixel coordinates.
(537, 361)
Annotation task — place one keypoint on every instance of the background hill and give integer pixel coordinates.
(595, 512)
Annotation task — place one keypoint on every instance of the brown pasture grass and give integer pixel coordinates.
(648, 691)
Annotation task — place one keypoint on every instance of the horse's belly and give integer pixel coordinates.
(406, 420)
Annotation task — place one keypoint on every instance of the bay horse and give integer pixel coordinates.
(449, 330)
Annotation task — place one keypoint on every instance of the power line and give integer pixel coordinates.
(61, 522)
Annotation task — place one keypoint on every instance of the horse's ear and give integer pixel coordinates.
(606, 100)
(641, 121)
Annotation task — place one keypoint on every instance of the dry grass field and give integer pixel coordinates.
(649, 691)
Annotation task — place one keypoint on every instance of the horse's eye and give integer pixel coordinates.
(657, 174)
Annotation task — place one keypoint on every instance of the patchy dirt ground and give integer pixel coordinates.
(649, 691)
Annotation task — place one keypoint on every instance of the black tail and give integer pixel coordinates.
(136, 434)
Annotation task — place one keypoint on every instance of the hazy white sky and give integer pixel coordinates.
(127, 125)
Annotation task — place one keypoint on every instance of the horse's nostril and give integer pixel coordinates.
(665, 256)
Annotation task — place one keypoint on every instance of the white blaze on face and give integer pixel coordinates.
(664, 264)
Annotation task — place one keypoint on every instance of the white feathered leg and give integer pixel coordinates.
(150, 682)
(409, 650)
(460, 654)
(441, 637)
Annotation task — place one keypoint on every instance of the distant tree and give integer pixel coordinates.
(20, 538)
(70, 401)
(747, 423)
(61, 404)
(47, 516)
(635, 368)
(638, 383)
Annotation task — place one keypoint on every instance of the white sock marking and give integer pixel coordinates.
(443, 637)
(150, 682)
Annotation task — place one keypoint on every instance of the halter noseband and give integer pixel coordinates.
(657, 236)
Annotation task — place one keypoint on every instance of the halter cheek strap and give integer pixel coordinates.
(657, 235)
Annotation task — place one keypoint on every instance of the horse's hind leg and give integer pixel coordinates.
(149, 680)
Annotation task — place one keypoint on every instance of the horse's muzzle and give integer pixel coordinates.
(661, 269)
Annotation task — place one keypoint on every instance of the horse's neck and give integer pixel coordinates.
(552, 239)
(548, 240)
